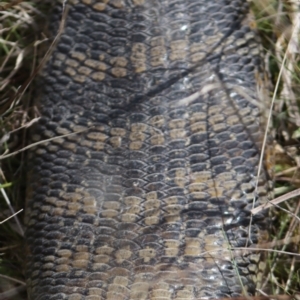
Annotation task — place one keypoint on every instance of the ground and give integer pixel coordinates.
(23, 44)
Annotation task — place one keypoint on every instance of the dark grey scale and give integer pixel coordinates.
(155, 186)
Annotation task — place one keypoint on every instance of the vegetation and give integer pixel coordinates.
(278, 23)
(20, 40)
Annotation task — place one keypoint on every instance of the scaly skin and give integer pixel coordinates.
(147, 200)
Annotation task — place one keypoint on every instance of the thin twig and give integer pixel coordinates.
(1, 222)
(14, 214)
(276, 201)
(12, 279)
(41, 142)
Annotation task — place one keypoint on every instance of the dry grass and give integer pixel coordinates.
(19, 41)
(278, 22)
